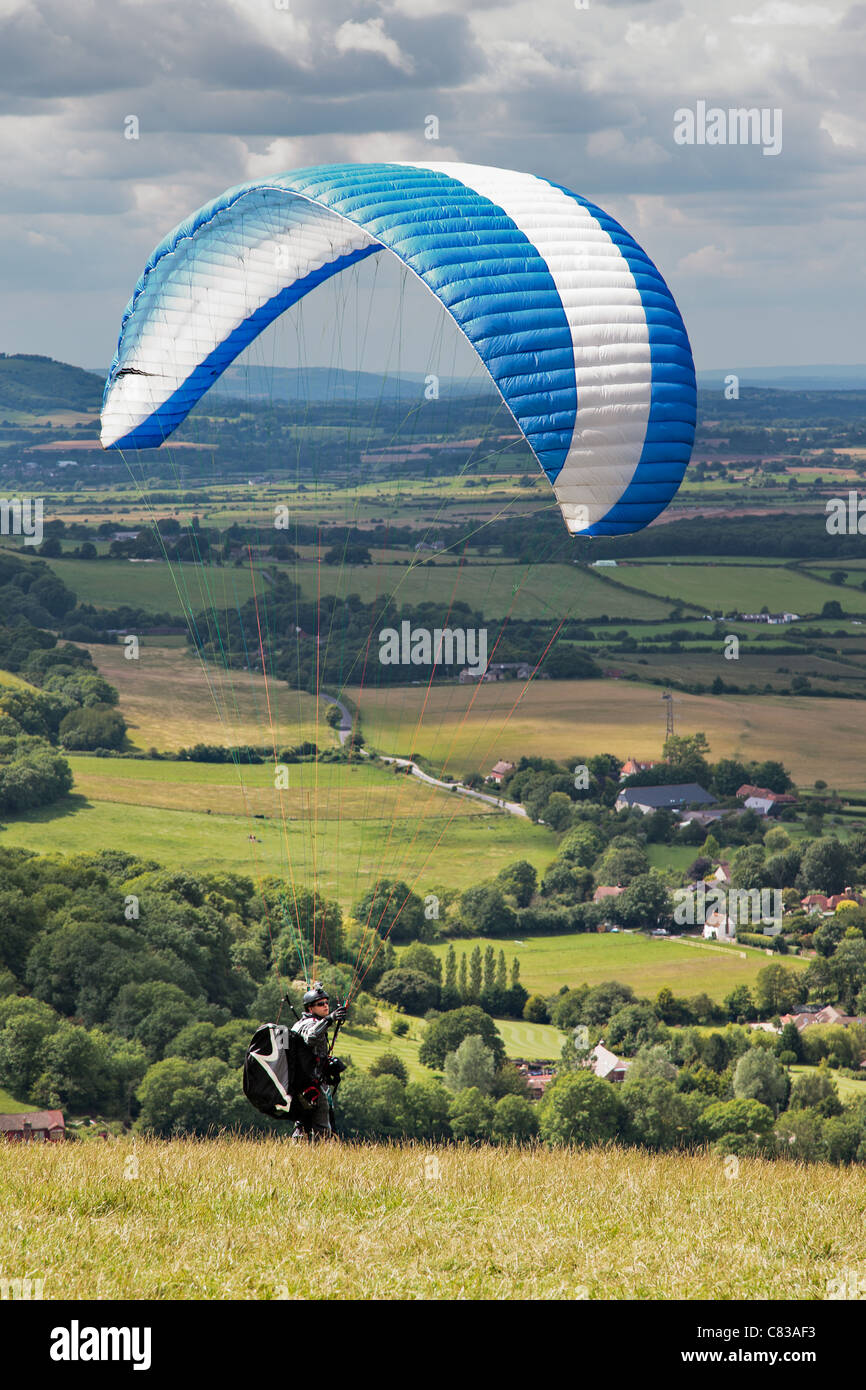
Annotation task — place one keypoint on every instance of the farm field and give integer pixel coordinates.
(744, 587)
(344, 856)
(496, 589)
(465, 728)
(178, 589)
(10, 1106)
(532, 1041)
(172, 700)
(646, 963)
(364, 1045)
(848, 1090)
(224, 1219)
(758, 669)
(675, 857)
(825, 569)
(334, 792)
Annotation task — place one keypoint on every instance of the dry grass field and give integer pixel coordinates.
(469, 727)
(172, 700)
(259, 1219)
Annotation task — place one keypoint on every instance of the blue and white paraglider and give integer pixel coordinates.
(571, 319)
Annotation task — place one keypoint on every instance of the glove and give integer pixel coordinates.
(339, 1015)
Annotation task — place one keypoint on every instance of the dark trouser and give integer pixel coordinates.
(316, 1123)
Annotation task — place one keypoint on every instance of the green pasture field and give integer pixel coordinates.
(673, 860)
(225, 1219)
(749, 668)
(468, 728)
(495, 589)
(343, 856)
(158, 587)
(664, 561)
(646, 963)
(744, 587)
(856, 576)
(365, 1045)
(848, 1090)
(531, 1041)
(10, 1106)
(327, 792)
(823, 568)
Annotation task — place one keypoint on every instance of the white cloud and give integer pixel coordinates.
(369, 148)
(783, 13)
(845, 131)
(613, 144)
(710, 261)
(369, 37)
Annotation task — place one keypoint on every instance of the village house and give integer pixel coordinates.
(762, 800)
(631, 766)
(719, 926)
(610, 891)
(500, 771)
(805, 1017)
(538, 1075)
(819, 902)
(814, 902)
(45, 1126)
(703, 818)
(669, 798)
(606, 1065)
(774, 619)
(500, 671)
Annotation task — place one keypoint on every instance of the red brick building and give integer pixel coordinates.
(41, 1125)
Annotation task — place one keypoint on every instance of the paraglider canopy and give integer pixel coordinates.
(567, 314)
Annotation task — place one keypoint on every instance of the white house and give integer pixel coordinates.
(719, 926)
(606, 1065)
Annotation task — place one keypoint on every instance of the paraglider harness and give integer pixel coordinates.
(283, 1076)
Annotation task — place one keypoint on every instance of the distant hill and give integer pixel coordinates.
(775, 405)
(334, 384)
(36, 384)
(816, 378)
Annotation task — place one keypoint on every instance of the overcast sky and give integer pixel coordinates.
(764, 253)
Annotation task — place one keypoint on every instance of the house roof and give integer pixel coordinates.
(675, 794)
(702, 817)
(607, 891)
(604, 1062)
(829, 1014)
(747, 789)
(38, 1119)
(632, 765)
(503, 767)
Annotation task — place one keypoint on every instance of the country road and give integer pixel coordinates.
(513, 807)
(345, 728)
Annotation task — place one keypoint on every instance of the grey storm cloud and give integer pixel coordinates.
(227, 89)
(49, 50)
